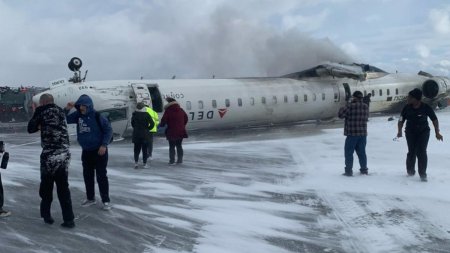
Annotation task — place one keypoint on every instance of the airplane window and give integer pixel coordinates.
(381, 92)
(323, 96)
(240, 101)
(214, 103)
(336, 96)
(305, 98)
(252, 101)
(285, 99)
(200, 104)
(263, 100)
(274, 98)
(396, 91)
(388, 92)
(373, 93)
(114, 114)
(295, 98)
(188, 105)
(227, 102)
(314, 97)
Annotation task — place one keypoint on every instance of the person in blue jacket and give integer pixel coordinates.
(94, 133)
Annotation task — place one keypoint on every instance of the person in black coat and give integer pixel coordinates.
(142, 123)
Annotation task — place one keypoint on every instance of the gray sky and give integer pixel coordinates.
(127, 39)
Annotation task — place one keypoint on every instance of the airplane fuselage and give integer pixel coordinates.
(241, 102)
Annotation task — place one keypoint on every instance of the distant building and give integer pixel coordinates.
(16, 103)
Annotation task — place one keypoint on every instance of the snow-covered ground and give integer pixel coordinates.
(258, 190)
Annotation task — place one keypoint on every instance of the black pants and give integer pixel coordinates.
(92, 163)
(137, 150)
(1, 193)
(172, 145)
(60, 178)
(150, 146)
(54, 170)
(417, 147)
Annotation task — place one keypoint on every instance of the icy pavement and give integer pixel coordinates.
(255, 190)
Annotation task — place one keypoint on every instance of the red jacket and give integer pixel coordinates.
(176, 119)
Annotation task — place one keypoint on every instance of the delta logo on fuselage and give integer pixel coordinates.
(207, 115)
(222, 112)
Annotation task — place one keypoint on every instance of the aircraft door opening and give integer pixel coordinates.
(142, 93)
(155, 95)
(348, 93)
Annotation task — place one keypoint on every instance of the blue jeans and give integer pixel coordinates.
(358, 144)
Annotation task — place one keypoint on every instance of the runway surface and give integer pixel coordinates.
(252, 190)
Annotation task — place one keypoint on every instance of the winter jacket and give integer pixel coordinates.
(90, 134)
(417, 118)
(142, 123)
(155, 119)
(356, 115)
(51, 121)
(175, 119)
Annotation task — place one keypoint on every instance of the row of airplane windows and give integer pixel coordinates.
(380, 92)
(275, 99)
(253, 101)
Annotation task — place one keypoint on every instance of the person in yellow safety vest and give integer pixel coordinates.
(155, 119)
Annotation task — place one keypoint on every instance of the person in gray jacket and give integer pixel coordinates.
(55, 157)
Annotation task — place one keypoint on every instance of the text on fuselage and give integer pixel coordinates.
(201, 115)
(173, 95)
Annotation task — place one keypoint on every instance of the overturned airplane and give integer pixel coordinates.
(312, 94)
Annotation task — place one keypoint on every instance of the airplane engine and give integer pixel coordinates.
(432, 88)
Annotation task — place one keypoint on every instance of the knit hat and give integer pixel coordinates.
(416, 93)
(170, 99)
(357, 94)
(140, 105)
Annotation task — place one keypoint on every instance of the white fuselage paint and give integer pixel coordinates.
(227, 103)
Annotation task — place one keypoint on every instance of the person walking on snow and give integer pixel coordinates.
(417, 132)
(142, 123)
(356, 115)
(155, 118)
(175, 118)
(55, 158)
(94, 133)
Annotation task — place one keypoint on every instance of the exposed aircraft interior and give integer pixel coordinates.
(355, 71)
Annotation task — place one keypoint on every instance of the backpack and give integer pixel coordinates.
(97, 118)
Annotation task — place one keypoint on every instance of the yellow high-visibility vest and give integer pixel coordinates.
(155, 119)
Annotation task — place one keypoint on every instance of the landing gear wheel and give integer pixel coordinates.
(75, 64)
